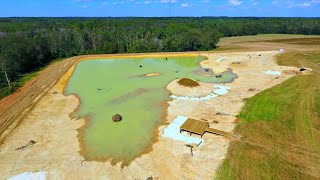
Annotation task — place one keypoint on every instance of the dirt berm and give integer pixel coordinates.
(14, 107)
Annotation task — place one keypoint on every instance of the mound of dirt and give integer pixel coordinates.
(117, 118)
(188, 82)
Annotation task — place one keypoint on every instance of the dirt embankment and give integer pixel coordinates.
(14, 107)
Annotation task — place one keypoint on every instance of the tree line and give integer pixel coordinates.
(27, 44)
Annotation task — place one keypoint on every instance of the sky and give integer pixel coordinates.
(159, 8)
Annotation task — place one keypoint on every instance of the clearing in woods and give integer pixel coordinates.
(270, 42)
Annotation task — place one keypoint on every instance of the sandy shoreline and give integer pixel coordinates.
(57, 147)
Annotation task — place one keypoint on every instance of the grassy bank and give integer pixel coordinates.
(15, 85)
(5, 91)
(280, 129)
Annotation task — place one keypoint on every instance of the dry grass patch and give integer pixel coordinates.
(262, 37)
(299, 41)
(298, 59)
(270, 42)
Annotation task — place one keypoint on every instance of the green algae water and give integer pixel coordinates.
(107, 87)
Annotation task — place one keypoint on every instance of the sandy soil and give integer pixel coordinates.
(56, 148)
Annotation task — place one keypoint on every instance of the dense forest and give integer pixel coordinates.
(27, 44)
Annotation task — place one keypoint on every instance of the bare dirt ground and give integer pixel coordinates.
(55, 134)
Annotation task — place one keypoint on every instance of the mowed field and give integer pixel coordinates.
(280, 127)
(270, 42)
(299, 41)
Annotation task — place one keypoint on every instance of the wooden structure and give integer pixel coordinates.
(200, 127)
(194, 126)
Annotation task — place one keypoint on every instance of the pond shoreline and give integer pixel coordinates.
(155, 133)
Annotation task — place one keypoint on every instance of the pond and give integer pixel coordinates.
(112, 86)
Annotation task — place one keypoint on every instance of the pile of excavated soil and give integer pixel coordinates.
(188, 82)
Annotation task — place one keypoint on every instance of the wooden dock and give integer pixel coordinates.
(200, 127)
(194, 126)
(218, 132)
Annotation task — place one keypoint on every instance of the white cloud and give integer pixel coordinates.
(167, 1)
(185, 5)
(235, 2)
(254, 2)
(305, 4)
(295, 4)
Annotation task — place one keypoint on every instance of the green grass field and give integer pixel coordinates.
(280, 129)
